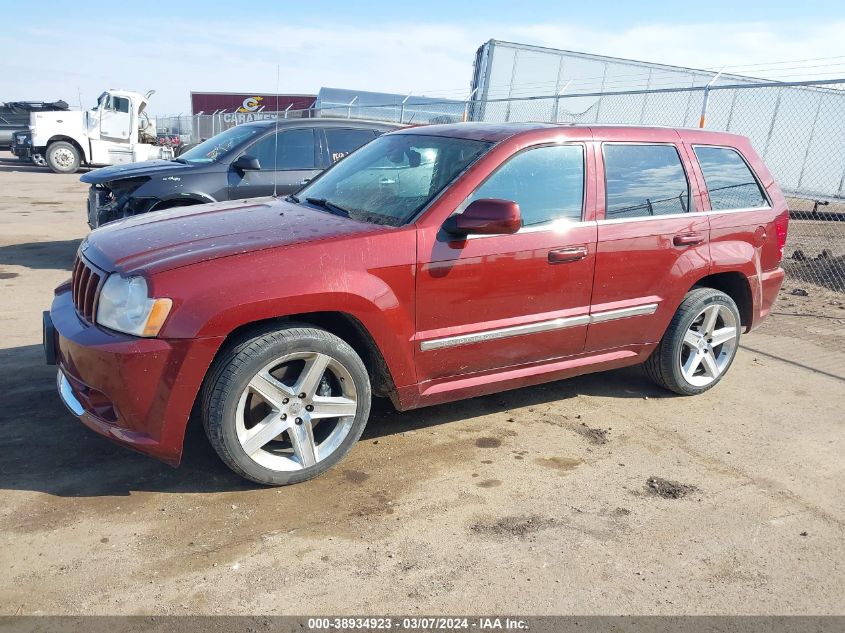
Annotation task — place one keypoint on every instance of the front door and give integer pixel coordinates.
(488, 302)
(653, 239)
(285, 165)
(116, 119)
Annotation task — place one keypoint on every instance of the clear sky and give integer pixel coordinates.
(51, 50)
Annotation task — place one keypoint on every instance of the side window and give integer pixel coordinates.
(344, 141)
(730, 183)
(644, 180)
(546, 182)
(295, 150)
(121, 104)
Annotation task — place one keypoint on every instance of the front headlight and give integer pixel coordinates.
(125, 306)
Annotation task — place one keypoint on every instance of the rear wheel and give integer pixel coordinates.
(699, 345)
(63, 157)
(286, 405)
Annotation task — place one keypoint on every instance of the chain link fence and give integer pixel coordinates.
(798, 128)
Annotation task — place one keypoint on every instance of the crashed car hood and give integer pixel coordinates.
(181, 236)
(134, 170)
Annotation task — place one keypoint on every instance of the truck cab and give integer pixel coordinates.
(115, 131)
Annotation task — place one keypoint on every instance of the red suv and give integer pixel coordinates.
(433, 264)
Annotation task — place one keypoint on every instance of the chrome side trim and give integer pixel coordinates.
(674, 216)
(540, 326)
(623, 313)
(505, 332)
(67, 396)
(545, 227)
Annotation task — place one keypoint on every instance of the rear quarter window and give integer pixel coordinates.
(644, 180)
(730, 182)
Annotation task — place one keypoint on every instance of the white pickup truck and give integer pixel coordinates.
(115, 131)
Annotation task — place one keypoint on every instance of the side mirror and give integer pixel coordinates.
(247, 163)
(487, 216)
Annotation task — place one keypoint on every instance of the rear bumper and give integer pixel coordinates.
(136, 392)
(764, 290)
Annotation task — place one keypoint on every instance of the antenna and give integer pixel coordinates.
(276, 134)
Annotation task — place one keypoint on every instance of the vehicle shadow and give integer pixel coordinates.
(43, 448)
(57, 255)
(13, 164)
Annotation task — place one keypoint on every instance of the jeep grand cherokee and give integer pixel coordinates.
(433, 264)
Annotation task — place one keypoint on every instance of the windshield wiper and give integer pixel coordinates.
(180, 160)
(331, 207)
(292, 198)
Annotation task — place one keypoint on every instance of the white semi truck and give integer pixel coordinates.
(115, 131)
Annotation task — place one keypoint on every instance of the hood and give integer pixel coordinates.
(181, 236)
(134, 170)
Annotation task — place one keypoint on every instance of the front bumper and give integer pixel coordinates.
(24, 153)
(104, 205)
(97, 200)
(136, 392)
(21, 149)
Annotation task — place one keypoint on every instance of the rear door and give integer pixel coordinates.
(285, 164)
(652, 236)
(340, 142)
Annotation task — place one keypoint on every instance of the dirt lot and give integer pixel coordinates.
(600, 494)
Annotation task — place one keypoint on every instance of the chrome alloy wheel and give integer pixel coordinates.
(709, 345)
(63, 157)
(296, 411)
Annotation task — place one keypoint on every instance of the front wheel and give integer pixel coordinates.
(286, 405)
(699, 345)
(63, 158)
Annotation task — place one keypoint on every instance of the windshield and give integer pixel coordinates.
(100, 100)
(389, 180)
(213, 149)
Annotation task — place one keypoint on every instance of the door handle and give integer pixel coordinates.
(564, 255)
(304, 181)
(688, 239)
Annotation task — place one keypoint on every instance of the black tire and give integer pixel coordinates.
(240, 362)
(664, 366)
(63, 157)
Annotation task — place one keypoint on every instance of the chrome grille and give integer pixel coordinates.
(85, 286)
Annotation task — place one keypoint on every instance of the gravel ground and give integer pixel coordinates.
(600, 494)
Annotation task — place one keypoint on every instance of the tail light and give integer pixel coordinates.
(781, 227)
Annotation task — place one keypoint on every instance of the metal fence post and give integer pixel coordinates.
(402, 109)
(557, 100)
(810, 140)
(703, 117)
(645, 97)
(466, 104)
(772, 125)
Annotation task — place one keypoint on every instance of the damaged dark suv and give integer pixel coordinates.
(246, 161)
